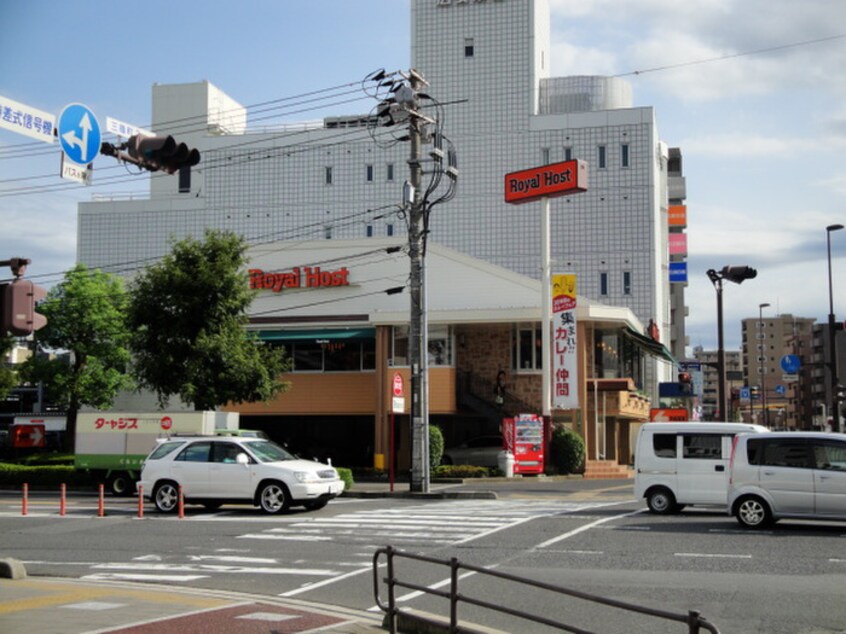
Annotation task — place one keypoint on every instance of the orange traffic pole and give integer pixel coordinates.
(181, 504)
(140, 502)
(101, 502)
(25, 500)
(63, 502)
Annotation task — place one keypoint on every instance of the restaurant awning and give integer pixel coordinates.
(334, 334)
(648, 344)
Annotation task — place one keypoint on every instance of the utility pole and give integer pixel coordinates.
(402, 105)
(418, 324)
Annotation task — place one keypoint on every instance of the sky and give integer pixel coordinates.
(753, 92)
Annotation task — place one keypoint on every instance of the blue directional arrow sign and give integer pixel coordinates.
(79, 133)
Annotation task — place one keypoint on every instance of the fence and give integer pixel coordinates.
(695, 623)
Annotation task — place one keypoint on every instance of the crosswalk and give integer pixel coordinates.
(437, 524)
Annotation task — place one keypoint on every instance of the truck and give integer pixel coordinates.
(112, 446)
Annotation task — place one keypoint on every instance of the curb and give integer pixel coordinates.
(12, 569)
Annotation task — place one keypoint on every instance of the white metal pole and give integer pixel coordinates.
(546, 312)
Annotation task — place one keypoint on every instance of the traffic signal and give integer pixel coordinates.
(19, 302)
(161, 153)
(737, 274)
(685, 384)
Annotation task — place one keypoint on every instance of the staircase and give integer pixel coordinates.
(607, 470)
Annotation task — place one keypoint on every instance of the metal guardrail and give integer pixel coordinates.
(694, 621)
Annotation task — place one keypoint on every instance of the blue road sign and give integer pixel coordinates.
(790, 363)
(781, 390)
(79, 133)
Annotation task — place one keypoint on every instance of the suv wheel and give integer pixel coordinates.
(166, 497)
(753, 512)
(661, 501)
(274, 498)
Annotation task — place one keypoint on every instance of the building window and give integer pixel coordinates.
(369, 231)
(624, 155)
(600, 157)
(329, 355)
(390, 176)
(526, 353)
(389, 230)
(627, 282)
(545, 156)
(369, 173)
(440, 345)
(603, 283)
(327, 232)
(327, 175)
(469, 47)
(568, 154)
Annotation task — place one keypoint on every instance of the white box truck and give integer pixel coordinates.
(112, 445)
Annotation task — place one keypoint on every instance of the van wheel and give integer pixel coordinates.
(661, 501)
(753, 512)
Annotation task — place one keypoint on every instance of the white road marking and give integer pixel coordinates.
(587, 527)
(713, 555)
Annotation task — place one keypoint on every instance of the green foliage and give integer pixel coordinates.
(347, 476)
(85, 317)
(567, 451)
(44, 458)
(463, 471)
(8, 377)
(42, 476)
(436, 446)
(188, 315)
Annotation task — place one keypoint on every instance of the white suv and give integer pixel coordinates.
(212, 471)
(787, 474)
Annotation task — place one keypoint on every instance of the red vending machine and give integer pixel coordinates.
(523, 437)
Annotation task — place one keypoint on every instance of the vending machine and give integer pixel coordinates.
(523, 437)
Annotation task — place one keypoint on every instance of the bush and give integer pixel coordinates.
(567, 451)
(14, 475)
(463, 471)
(345, 475)
(436, 446)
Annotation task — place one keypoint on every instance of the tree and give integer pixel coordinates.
(86, 319)
(188, 315)
(8, 377)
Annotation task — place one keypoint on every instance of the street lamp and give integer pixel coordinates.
(734, 274)
(762, 365)
(832, 360)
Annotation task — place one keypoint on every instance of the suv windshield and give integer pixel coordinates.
(267, 451)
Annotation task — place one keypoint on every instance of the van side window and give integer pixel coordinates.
(703, 446)
(664, 445)
(830, 454)
(785, 452)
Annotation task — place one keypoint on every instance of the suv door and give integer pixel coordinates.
(227, 477)
(830, 476)
(190, 468)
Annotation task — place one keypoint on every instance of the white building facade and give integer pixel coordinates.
(488, 62)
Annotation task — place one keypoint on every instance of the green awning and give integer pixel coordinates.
(649, 345)
(334, 334)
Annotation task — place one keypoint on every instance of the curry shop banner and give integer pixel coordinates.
(565, 393)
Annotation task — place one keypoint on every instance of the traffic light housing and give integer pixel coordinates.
(685, 384)
(19, 303)
(737, 274)
(161, 153)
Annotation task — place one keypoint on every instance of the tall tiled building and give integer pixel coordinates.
(488, 63)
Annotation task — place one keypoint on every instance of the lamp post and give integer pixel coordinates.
(832, 358)
(734, 274)
(762, 365)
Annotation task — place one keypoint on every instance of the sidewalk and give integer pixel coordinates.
(53, 606)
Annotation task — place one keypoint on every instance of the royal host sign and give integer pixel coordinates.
(548, 181)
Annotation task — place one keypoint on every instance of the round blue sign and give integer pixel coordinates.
(79, 133)
(790, 363)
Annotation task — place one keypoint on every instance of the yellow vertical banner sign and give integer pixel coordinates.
(565, 393)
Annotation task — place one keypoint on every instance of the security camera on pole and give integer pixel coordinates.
(402, 105)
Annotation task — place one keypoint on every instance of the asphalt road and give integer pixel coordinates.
(587, 535)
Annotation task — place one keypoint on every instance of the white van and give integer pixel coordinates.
(683, 463)
(787, 474)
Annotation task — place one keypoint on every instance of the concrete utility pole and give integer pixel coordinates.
(403, 105)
